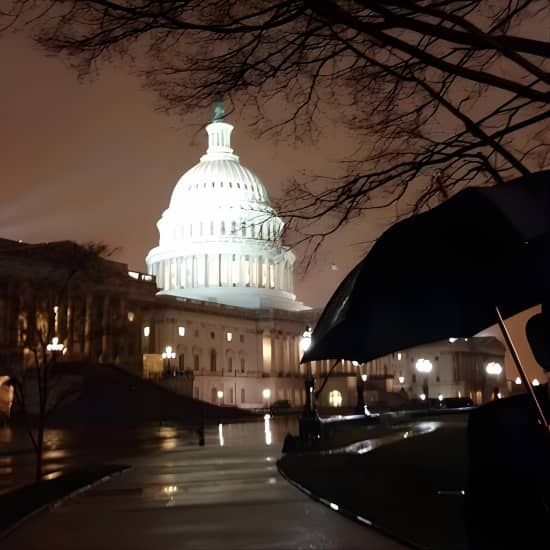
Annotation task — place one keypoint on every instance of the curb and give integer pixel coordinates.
(60, 501)
(351, 515)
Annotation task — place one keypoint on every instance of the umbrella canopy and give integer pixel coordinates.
(440, 274)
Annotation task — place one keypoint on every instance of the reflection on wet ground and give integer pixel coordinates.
(178, 495)
(65, 449)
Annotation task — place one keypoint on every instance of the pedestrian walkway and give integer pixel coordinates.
(227, 494)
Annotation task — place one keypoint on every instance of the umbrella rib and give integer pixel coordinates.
(521, 370)
(325, 380)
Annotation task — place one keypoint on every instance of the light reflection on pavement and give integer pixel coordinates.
(227, 494)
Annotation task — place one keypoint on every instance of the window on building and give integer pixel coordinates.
(131, 316)
(212, 335)
(231, 395)
(243, 364)
(242, 395)
(146, 331)
(181, 330)
(196, 392)
(195, 362)
(223, 228)
(182, 362)
(229, 336)
(213, 360)
(230, 364)
(196, 333)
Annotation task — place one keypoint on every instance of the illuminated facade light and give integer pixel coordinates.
(517, 380)
(229, 336)
(146, 331)
(440, 397)
(494, 369)
(364, 377)
(452, 340)
(399, 356)
(424, 366)
(266, 393)
(220, 394)
(422, 396)
(335, 398)
(401, 379)
(131, 316)
(535, 382)
(181, 330)
(355, 363)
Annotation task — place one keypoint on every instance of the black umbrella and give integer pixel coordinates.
(481, 256)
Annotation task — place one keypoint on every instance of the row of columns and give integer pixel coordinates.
(223, 270)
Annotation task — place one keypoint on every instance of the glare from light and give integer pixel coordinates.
(364, 377)
(452, 340)
(267, 416)
(424, 365)
(422, 396)
(536, 382)
(229, 336)
(401, 379)
(266, 393)
(440, 397)
(334, 506)
(494, 369)
(220, 394)
(146, 331)
(181, 331)
(517, 380)
(399, 356)
(499, 395)
(355, 363)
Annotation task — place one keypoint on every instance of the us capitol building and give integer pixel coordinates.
(230, 315)
(215, 317)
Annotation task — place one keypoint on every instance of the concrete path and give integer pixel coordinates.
(225, 495)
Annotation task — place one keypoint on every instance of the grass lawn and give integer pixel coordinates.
(396, 486)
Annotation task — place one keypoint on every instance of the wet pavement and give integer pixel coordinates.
(178, 495)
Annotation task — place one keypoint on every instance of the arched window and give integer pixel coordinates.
(213, 360)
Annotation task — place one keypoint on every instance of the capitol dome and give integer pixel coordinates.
(220, 239)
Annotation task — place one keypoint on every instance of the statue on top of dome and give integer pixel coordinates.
(219, 111)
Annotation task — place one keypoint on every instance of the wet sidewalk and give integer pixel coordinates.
(227, 494)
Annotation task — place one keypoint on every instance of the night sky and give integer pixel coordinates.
(94, 160)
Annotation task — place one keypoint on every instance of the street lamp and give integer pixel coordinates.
(424, 366)
(55, 346)
(309, 407)
(494, 369)
(167, 355)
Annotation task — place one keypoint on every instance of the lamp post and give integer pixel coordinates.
(494, 369)
(309, 423)
(266, 394)
(424, 366)
(309, 407)
(360, 380)
(167, 356)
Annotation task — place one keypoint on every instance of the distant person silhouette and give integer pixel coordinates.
(508, 492)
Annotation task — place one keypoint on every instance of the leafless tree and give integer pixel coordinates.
(39, 389)
(439, 94)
